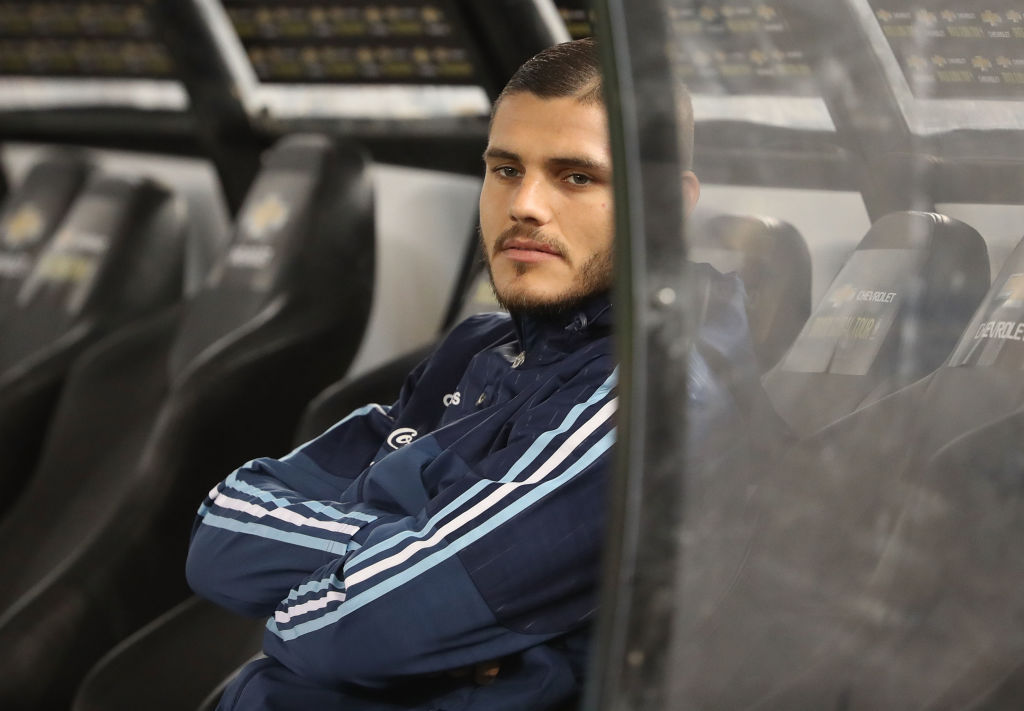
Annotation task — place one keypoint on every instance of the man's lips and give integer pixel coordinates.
(527, 250)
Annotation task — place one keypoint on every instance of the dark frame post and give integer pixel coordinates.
(630, 649)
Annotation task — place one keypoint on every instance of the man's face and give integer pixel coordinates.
(546, 204)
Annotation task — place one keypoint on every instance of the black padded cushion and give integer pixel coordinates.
(772, 260)
(287, 238)
(982, 379)
(115, 258)
(184, 405)
(995, 337)
(31, 215)
(172, 670)
(380, 385)
(892, 315)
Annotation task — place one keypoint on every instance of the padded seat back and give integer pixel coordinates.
(995, 337)
(189, 399)
(772, 260)
(29, 218)
(478, 298)
(116, 256)
(891, 316)
(473, 295)
(912, 506)
(292, 238)
(982, 380)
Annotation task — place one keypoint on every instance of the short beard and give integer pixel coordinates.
(594, 277)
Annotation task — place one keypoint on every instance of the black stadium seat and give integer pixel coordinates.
(472, 295)
(982, 379)
(909, 513)
(772, 260)
(137, 665)
(158, 412)
(979, 383)
(116, 257)
(30, 215)
(892, 315)
(227, 640)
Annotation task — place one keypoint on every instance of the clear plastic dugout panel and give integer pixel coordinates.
(839, 524)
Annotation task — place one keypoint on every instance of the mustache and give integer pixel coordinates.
(534, 234)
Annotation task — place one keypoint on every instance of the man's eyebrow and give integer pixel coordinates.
(580, 162)
(501, 154)
(577, 162)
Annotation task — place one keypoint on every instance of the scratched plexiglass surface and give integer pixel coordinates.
(851, 532)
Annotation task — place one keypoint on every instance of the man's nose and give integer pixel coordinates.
(531, 202)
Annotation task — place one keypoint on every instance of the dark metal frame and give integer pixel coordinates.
(628, 657)
(217, 125)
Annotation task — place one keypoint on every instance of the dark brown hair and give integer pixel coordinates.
(566, 69)
(574, 69)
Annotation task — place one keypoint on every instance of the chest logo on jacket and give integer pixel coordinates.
(401, 437)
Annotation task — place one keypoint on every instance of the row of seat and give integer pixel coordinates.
(878, 542)
(125, 364)
(160, 394)
(163, 366)
(743, 244)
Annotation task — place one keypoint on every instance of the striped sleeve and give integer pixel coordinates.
(273, 521)
(503, 558)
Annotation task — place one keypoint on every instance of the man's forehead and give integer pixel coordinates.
(549, 127)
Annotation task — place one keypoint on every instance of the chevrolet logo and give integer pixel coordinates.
(1013, 289)
(991, 18)
(265, 217)
(23, 228)
(982, 63)
(926, 17)
(843, 295)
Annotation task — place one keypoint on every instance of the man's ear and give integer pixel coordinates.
(691, 191)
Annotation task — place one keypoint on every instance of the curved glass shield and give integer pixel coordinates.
(820, 496)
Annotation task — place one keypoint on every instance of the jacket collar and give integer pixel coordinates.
(545, 339)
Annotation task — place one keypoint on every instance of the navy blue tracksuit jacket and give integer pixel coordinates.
(462, 524)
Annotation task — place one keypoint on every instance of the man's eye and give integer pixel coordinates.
(506, 171)
(579, 179)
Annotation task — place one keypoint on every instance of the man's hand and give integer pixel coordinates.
(483, 673)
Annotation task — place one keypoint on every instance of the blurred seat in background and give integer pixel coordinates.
(772, 260)
(910, 508)
(892, 315)
(115, 257)
(158, 411)
(177, 660)
(31, 214)
(222, 642)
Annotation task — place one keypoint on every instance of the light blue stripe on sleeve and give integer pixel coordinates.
(263, 531)
(355, 603)
(237, 484)
(333, 581)
(524, 461)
